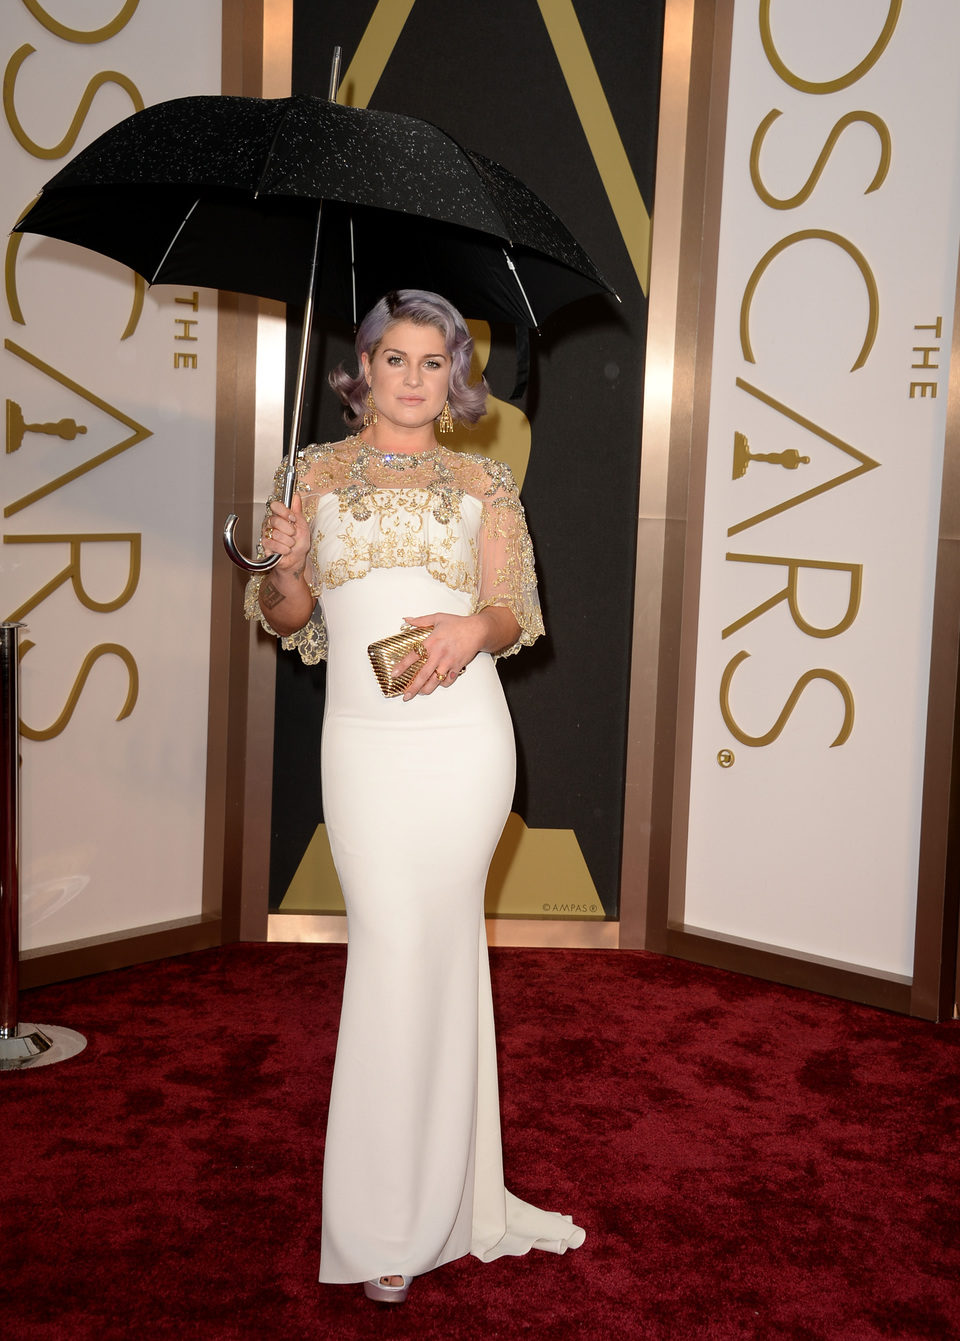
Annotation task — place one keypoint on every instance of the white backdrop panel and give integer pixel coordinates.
(801, 843)
(113, 810)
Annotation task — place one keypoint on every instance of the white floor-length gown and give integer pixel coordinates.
(415, 797)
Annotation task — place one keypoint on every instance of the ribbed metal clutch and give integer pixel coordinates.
(385, 654)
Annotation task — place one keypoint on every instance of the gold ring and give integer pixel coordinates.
(441, 675)
(421, 651)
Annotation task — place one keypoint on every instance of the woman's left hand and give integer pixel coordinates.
(450, 646)
(452, 643)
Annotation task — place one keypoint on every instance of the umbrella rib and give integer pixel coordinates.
(468, 155)
(173, 241)
(273, 145)
(353, 273)
(523, 293)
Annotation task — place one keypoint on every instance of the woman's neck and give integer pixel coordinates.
(394, 441)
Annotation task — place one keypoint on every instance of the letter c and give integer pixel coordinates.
(808, 235)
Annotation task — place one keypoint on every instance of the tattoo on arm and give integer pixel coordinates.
(269, 596)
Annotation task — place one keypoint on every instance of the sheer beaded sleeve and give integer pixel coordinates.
(311, 640)
(505, 569)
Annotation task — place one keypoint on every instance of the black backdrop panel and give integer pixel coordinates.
(488, 74)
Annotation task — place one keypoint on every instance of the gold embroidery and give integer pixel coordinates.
(384, 510)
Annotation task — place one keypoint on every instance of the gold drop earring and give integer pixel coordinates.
(370, 413)
(445, 421)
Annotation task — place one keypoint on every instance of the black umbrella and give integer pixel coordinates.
(225, 192)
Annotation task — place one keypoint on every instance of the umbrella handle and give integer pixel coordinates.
(241, 560)
(230, 525)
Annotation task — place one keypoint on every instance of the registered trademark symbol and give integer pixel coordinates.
(726, 758)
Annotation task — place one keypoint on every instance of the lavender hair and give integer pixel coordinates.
(467, 401)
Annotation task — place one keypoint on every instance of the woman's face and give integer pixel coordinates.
(409, 374)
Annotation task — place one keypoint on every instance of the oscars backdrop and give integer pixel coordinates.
(564, 93)
(106, 492)
(837, 271)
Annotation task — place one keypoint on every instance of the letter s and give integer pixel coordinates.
(816, 172)
(73, 698)
(806, 678)
(69, 140)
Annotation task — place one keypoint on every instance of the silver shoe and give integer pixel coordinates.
(387, 1294)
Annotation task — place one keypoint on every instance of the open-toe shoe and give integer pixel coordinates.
(387, 1294)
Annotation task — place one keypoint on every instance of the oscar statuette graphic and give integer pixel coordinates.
(743, 457)
(67, 429)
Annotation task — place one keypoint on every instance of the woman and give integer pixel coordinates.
(389, 527)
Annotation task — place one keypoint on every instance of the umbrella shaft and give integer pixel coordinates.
(290, 477)
(296, 420)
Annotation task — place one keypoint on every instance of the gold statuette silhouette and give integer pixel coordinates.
(790, 459)
(67, 429)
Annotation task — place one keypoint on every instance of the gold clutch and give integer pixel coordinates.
(385, 654)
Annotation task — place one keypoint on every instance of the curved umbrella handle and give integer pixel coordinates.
(230, 525)
(241, 560)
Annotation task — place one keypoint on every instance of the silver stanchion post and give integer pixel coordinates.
(21, 1045)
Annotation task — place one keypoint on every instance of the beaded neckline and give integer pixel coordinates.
(393, 460)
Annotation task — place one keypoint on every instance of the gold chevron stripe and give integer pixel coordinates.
(374, 50)
(598, 124)
(570, 47)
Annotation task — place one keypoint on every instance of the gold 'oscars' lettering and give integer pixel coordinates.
(13, 298)
(826, 85)
(20, 424)
(10, 272)
(90, 92)
(929, 359)
(72, 572)
(805, 192)
(865, 462)
(793, 240)
(805, 679)
(137, 435)
(789, 593)
(83, 35)
(73, 698)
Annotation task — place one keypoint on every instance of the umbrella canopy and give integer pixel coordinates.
(223, 192)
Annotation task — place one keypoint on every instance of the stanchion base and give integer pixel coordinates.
(39, 1045)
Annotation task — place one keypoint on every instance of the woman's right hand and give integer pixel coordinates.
(285, 597)
(285, 532)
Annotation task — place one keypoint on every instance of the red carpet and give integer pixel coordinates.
(748, 1161)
